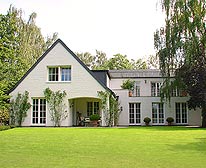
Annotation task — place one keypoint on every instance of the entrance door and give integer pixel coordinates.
(134, 114)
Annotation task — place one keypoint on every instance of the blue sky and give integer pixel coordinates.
(111, 26)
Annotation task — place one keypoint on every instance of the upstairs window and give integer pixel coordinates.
(54, 74)
(136, 90)
(61, 73)
(155, 88)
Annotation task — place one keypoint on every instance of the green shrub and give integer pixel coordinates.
(147, 120)
(170, 119)
(4, 116)
(94, 117)
(4, 127)
(128, 84)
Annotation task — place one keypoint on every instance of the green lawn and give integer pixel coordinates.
(141, 147)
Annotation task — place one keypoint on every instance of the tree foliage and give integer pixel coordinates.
(4, 116)
(56, 105)
(181, 48)
(21, 44)
(19, 107)
(118, 61)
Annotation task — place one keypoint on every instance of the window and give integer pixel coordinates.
(175, 92)
(134, 113)
(157, 113)
(60, 73)
(65, 74)
(39, 111)
(53, 74)
(136, 90)
(155, 89)
(181, 113)
(92, 108)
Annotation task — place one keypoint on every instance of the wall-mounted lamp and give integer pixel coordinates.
(145, 81)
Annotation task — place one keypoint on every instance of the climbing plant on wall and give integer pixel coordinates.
(110, 107)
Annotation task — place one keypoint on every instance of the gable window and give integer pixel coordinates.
(61, 73)
(155, 89)
(181, 113)
(39, 111)
(54, 74)
(157, 113)
(65, 74)
(92, 108)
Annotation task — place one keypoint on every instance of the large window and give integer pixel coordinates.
(155, 89)
(181, 113)
(157, 113)
(59, 73)
(92, 108)
(134, 113)
(39, 111)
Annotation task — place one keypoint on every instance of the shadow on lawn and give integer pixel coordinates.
(199, 145)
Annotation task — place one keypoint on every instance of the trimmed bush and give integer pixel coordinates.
(170, 120)
(147, 120)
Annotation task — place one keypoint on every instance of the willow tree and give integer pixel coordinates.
(181, 46)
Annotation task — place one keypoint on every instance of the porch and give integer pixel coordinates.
(82, 108)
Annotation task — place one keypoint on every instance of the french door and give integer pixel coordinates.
(134, 113)
(157, 113)
(39, 111)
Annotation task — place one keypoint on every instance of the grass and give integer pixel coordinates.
(142, 147)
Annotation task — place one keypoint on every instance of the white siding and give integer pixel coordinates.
(82, 83)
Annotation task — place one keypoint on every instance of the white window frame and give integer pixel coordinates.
(39, 111)
(136, 90)
(155, 91)
(134, 113)
(59, 73)
(181, 113)
(158, 120)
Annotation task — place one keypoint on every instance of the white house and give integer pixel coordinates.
(60, 69)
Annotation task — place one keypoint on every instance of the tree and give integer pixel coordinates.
(56, 105)
(100, 61)
(87, 58)
(19, 108)
(21, 44)
(181, 48)
(153, 62)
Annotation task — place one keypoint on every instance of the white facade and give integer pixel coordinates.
(82, 92)
(82, 87)
(144, 101)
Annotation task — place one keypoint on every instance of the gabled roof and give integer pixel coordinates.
(47, 51)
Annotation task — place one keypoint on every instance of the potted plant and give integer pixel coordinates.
(94, 118)
(128, 84)
(170, 120)
(147, 120)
